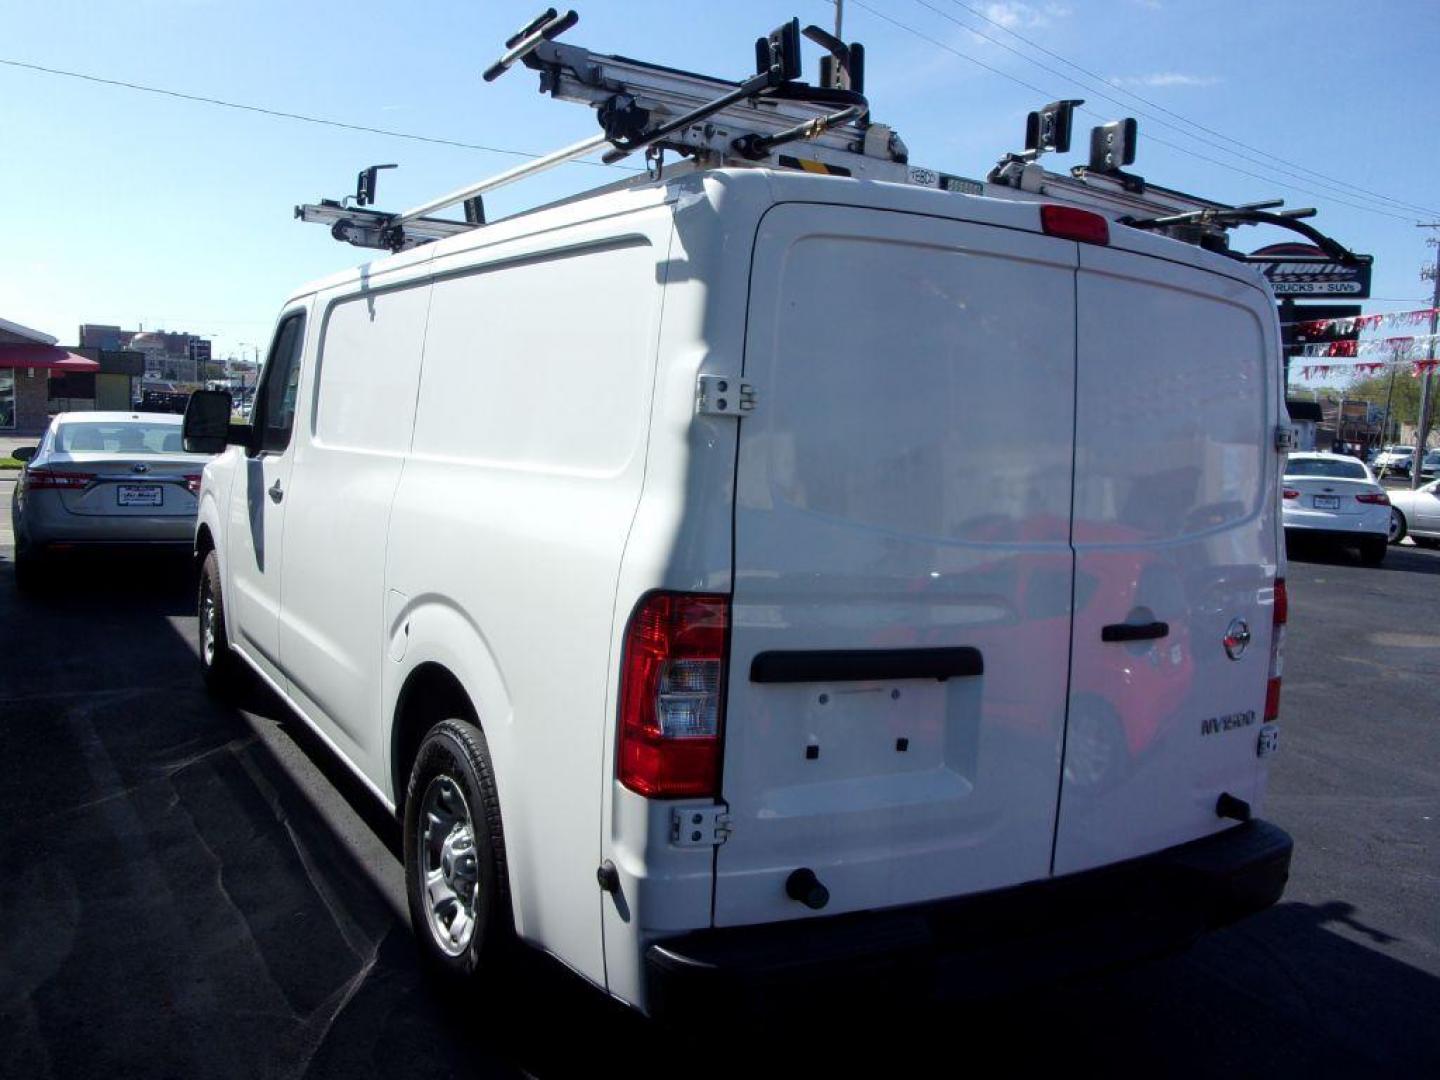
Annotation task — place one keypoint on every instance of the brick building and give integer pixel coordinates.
(29, 359)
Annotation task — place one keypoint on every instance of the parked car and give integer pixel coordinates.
(1430, 464)
(735, 647)
(1395, 460)
(1336, 498)
(101, 479)
(1416, 514)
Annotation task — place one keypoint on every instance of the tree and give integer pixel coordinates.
(1404, 406)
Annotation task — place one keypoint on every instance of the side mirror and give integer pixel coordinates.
(207, 428)
(24, 453)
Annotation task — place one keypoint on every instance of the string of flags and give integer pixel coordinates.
(1396, 348)
(1362, 323)
(1369, 348)
(1418, 367)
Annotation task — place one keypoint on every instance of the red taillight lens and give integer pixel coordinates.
(192, 483)
(1378, 498)
(1290, 493)
(56, 480)
(1070, 223)
(672, 687)
(1277, 650)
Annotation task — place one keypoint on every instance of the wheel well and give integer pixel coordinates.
(204, 544)
(430, 694)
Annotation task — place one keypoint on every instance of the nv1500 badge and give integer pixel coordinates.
(1229, 722)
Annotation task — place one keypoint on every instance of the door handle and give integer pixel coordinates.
(1147, 631)
(276, 492)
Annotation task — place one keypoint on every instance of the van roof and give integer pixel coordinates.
(758, 188)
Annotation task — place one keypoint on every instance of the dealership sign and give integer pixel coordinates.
(1296, 270)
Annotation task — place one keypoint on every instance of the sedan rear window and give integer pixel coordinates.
(121, 437)
(1336, 470)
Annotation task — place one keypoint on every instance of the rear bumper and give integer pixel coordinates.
(979, 946)
(44, 523)
(1334, 536)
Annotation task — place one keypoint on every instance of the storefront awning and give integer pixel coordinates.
(51, 357)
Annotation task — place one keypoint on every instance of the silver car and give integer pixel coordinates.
(104, 478)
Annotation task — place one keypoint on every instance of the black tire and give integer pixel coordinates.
(1372, 552)
(454, 752)
(1398, 526)
(222, 670)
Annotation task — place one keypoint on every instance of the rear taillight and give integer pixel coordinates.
(1070, 223)
(672, 686)
(192, 483)
(1290, 493)
(1378, 498)
(1277, 651)
(56, 480)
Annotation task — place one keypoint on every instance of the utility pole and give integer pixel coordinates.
(1422, 430)
(839, 18)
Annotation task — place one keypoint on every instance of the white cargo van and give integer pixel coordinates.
(750, 577)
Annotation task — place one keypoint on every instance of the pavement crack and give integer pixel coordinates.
(314, 1033)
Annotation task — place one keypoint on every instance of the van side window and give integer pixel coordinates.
(281, 385)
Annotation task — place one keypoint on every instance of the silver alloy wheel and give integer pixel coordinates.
(449, 868)
(207, 624)
(1394, 526)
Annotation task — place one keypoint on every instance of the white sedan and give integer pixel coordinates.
(1336, 498)
(1416, 514)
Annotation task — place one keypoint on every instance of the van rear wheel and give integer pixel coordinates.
(455, 878)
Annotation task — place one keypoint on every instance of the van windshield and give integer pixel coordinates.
(1337, 470)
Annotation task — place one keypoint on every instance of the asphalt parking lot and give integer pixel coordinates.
(186, 892)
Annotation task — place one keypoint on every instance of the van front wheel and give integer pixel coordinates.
(455, 876)
(218, 665)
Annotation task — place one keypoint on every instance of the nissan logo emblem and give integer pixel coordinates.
(1237, 637)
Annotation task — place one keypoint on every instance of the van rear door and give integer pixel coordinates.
(901, 619)
(1176, 545)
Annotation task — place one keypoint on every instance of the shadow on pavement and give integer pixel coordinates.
(1404, 558)
(182, 894)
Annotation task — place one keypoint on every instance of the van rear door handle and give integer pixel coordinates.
(276, 492)
(1145, 631)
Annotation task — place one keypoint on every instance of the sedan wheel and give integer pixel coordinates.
(1397, 526)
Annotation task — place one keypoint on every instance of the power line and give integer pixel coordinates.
(1337, 186)
(1319, 177)
(1153, 138)
(282, 114)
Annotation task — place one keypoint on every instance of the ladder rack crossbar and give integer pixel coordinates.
(499, 180)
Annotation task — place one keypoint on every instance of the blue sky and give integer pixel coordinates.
(127, 207)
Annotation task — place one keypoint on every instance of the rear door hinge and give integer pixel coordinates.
(724, 395)
(699, 826)
(1285, 438)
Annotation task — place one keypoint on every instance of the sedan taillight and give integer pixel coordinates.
(56, 480)
(192, 483)
(1291, 493)
(1377, 498)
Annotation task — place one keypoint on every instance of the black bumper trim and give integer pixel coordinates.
(985, 945)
